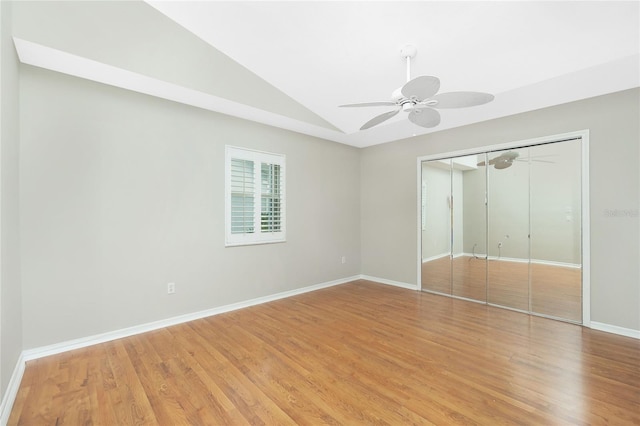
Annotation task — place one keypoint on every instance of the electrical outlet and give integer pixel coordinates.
(344, 259)
(171, 288)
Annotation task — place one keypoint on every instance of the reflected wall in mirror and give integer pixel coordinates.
(504, 227)
(436, 226)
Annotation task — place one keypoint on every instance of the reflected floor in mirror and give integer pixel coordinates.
(555, 290)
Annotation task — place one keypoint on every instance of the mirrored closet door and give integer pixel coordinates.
(469, 267)
(555, 226)
(504, 228)
(436, 226)
(454, 227)
(508, 228)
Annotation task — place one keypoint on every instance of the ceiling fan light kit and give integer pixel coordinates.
(419, 98)
(502, 161)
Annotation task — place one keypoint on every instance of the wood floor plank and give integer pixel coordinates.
(282, 380)
(326, 372)
(359, 353)
(218, 408)
(128, 397)
(100, 378)
(248, 397)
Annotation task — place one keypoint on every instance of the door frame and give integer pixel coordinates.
(585, 219)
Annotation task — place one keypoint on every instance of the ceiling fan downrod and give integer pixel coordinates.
(408, 52)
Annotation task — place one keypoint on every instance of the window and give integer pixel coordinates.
(255, 197)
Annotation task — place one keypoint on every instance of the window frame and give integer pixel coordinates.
(258, 158)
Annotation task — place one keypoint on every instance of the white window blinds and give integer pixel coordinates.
(255, 202)
(271, 202)
(242, 196)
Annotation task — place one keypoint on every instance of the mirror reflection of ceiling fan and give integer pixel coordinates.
(506, 160)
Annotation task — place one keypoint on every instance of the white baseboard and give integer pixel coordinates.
(390, 282)
(43, 351)
(535, 261)
(12, 390)
(31, 354)
(483, 256)
(82, 342)
(628, 332)
(440, 256)
(436, 257)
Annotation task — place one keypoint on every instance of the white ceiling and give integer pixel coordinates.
(323, 54)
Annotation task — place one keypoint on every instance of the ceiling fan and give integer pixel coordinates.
(418, 98)
(506, 160)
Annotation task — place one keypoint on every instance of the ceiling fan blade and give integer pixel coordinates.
(482, 163)
(425, 117)
(421, 88)
(461, 99)
(368, 104)
(379, 119)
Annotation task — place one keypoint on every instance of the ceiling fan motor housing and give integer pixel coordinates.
(408, 106)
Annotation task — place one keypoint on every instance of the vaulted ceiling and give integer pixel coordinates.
(290, 64)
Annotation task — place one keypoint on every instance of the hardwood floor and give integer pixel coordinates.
(359, 353)
(555, 290)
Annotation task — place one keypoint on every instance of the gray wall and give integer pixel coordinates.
(556, 202)
(508, 212)
(389, 194)
(122, 193)
(10, 290)
(475, 210)
(458, 212)
(436, 240)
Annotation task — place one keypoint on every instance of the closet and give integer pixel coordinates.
(504, 227)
